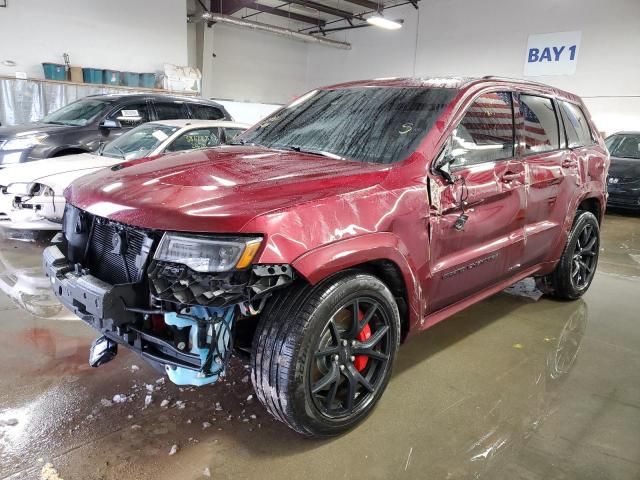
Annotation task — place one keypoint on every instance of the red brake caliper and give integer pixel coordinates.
(361, 360)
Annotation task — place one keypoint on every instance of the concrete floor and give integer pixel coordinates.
(511, 388)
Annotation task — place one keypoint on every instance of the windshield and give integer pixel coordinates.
(139, 142)
(374, 124)
(77, 113)
(624, 146)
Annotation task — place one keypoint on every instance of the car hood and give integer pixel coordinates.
(35, 128)
(53, 171)
(625, 168)
(216, 190)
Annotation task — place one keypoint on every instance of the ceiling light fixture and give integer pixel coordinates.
(380, 21)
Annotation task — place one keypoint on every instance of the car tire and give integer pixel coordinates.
(315, 368)
(575, 270)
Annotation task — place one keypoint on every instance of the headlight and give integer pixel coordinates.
(19, 188)
(205, 254)
(22, 143)
(42, 189)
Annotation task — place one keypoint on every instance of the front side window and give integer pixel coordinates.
(198, 138)
(485, 133)
(575, 123)
(205, 112)
(540, 130)
(231, 133)
(79, 113)
(374, 124)
(171, 110)
(627, 146)
(131, 114)
(139, 142)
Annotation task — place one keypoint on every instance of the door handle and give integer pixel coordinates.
(511, 176)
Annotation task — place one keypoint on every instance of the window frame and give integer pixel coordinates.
(556, 111)
(513, 156)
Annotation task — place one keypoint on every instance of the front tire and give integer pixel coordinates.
(322, 355)
(577, 266)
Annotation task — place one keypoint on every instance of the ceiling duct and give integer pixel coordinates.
(263, 27)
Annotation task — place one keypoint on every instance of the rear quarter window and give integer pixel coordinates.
(576, 125)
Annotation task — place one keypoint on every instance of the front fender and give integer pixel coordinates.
(324, 261)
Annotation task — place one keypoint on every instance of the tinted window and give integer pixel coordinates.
(131, 114)
(199, 138)
(610, 141)
(485, 133)
(576, 126)
(79, 112)
(205, 112)
(541, 132)
(171, 110)
(377, 125)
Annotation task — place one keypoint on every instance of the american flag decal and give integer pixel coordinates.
(489, 120)
(535, 135)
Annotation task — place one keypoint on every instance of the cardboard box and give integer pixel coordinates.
(76, 75)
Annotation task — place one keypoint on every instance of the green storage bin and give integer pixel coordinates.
(54, 71)
(93, 75)
(112, 77)
(131, 79)
(148, 80)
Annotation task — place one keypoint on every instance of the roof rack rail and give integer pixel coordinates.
(512, 79)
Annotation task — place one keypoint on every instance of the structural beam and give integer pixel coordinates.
(368, 4)
(336, 12)
(229, 7)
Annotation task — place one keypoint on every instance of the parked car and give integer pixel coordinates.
(357, 216)
(84, 125)
(624, 174)
(31, 194)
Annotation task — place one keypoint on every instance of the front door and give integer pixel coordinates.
(477, 218)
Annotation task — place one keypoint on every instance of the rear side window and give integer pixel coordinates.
(485, 134)
(576, 126)
(205, 112)
(540, 130)
(199, 138)
(171, 110)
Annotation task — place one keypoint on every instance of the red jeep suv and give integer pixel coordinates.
(357, 216)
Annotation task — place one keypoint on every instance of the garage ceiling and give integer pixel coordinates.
(317, 17)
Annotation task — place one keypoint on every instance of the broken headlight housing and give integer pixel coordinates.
(207, 254)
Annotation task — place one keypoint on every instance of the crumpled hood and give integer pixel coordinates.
(216, 190)
(56, 172)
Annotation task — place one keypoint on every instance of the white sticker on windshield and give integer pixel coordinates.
(130, 113)
(160, 135)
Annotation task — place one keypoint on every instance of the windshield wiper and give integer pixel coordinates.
(120, 151)
(56, 123)
(296, 148)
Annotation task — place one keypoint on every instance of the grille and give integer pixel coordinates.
(117, 254)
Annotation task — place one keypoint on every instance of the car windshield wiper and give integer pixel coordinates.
(320, 153)
(241, 142)
(120, 151)
(56, 123)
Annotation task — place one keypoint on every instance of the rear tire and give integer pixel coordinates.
(575, 270)
(314, 367)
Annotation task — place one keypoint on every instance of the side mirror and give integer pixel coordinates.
(110, 124)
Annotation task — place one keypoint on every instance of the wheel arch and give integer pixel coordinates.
(594, 205)
(378, 254)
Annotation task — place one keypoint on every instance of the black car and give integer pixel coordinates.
(84, 125)
(624, 172)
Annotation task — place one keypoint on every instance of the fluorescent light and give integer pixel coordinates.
(380, 21)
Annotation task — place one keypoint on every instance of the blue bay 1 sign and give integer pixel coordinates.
(552, 54)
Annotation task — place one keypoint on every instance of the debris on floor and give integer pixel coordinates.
(174, 450)
(525, 288)
(49, 473)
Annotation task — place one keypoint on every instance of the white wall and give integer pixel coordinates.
(252, 66)
(468, 37)
(124, 35)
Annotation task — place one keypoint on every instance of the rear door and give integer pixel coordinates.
(489, 189)
(551, 173)
(205, 112)
(170, 110)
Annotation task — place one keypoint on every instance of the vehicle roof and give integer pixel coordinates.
(625, 132)
(114, 97)
(457, 82)
(200, 123)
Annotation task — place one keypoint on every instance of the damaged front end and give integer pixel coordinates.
(30, 206)
(159, 293)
